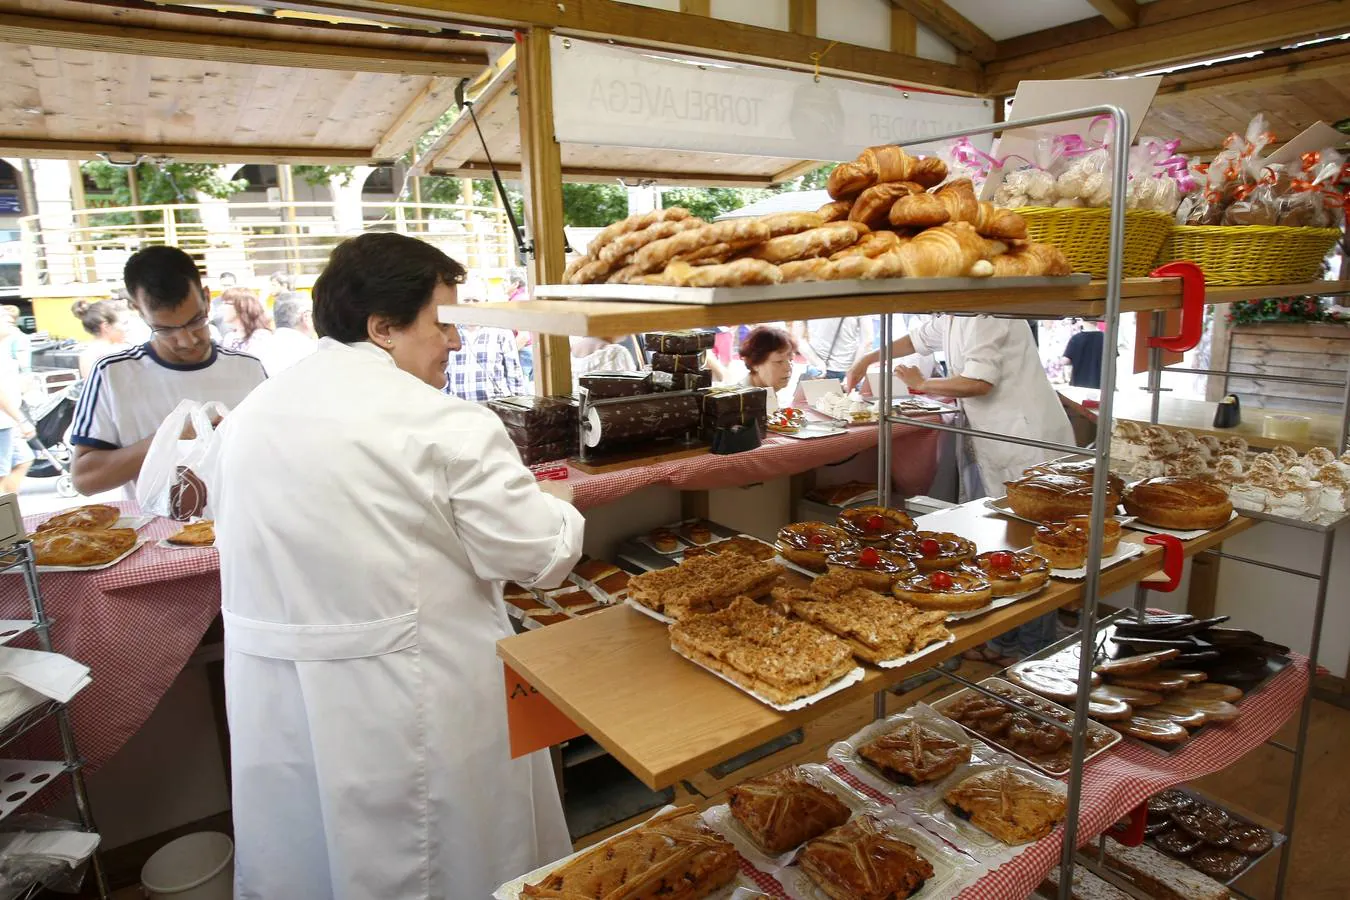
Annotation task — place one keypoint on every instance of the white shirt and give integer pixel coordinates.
(835, 341)
(128, 394)
(286, 348)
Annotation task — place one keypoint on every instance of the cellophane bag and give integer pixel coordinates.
(1313, 200)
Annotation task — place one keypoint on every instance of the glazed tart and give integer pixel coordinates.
(874, 524)
(809, 543)
(1177, 502)
(1053, 498)
(1011, 573)
(1065, 544)
(934, 549)
(958, 590)
(787, 421)
(878, 570)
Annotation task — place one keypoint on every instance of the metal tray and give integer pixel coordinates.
(812, 430)
(651, 293)
(1321, 526)
(1277, 836)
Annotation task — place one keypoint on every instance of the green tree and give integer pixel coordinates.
(159, 184)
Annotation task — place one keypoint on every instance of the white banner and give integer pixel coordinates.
(623, 97)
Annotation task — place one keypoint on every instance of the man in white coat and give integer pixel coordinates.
(365, 523)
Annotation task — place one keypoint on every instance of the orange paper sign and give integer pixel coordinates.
(531, 720)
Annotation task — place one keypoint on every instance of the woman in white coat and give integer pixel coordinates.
(365, 523)
(995, 374)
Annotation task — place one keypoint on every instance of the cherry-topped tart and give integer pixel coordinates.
(954, 590)
(808, 543)
(877, 569)
(934, 549)
(1012, 573)
(874, 524)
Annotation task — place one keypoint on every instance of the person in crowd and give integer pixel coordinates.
(102, 321)
(767, 352)
(15, 429)
(486, 366)
(248, 328)
(133, 323)
(1083, 356)
(14, 342)
(228, 280)
(599, 354)
(831, 345)
(367, 729)
(294, 338)
(517, 290)
(129, 394)
(995, 375)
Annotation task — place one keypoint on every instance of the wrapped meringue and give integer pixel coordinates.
(1211, 443)
(1318, 457)
(1228, 469)
(1248, 496)
(1070, 203)
(1235, 445)
(1156, 432)
(1286, 455)
(1185, 463)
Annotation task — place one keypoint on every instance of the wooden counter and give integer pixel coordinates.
(598, 318)
(615, 676)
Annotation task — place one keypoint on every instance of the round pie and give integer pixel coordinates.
(1186, 504)
(787, 420)
(809, 543)
(934, 549)
(198, 534)
(878, 569)
(1177, 843)
(1065, 544)
(95, 515)
(1049, 678)
(82, 547)
(1156, 732)
(956, 590)
(1085, 469)
(1054, 498)
(1012, 573)
(1170, 801)
(874, 524)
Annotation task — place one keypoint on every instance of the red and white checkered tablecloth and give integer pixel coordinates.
(135, 625)
(913, 465)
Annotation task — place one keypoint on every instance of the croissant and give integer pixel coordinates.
(737, 273)
(872, 244)
(817, 269)
(997, 222)
(960, 201)
(919, 211)
(780, 224)
(948, 251)
(835, 210)
(820, 241)
(877, 165)
(873, 204)
(1033, 259)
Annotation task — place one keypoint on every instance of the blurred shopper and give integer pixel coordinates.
(294, 338)
(102, 320)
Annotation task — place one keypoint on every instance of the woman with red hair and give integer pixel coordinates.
(248, 325)
(767, 353)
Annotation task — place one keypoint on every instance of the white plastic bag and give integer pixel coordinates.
(171, 481)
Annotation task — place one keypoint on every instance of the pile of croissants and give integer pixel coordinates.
(889, 219)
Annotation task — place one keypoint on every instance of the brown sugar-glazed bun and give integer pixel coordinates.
(957, 590)
(874, 524)
(1054, 498)
(934, 549)
(1065, 544)
(1178, 502)
(809, 543)
(1011, 573)
(877, 569)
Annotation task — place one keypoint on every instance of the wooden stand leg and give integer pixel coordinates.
(1201, 599)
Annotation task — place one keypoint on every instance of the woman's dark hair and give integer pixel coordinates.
(379, 273)
(93, 316)
(762, 342)
(252, 316)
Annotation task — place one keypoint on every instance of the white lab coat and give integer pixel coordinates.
(365, 522)
(1022, 403)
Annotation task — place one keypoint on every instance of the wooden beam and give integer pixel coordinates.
(37, 148)
(951, 26)
(433, 102)
(1321, 61)
(1120, 13)
(45, 31)
(541, 179)
(583, 175)
(1248, 25)
(802, 17)
(628, 23)
(804, 167)
(462, 131)
(696, 7)
(904, 32)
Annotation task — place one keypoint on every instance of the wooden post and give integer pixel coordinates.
(904, 32)
(541, 180)
(421, 224)
(84, 266)
(134, 188)
(286, 182)
(802, 17)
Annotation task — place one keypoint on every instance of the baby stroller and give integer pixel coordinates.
(51, 421)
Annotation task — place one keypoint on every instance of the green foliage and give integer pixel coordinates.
(1295, 309)
(593, 205)
(171, 183)
(318, 176)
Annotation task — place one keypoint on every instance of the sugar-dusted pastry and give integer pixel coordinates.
(877, 569)
(763, 651)
(702, 584)
(955, 590)
(1012, 573)
(195, 534)
(874, 524)
(808, 544)
(914, 753)
(934, 549)
(673, 856)
(1085, 886)
(864, 860)
(95, 515)
(817, 242)
(876, 627)
(1181, 503)
(1007, 804)
(784, 809)
(81, 547)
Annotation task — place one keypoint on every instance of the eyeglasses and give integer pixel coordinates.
(195, 324)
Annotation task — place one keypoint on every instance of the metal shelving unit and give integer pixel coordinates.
(20, 556)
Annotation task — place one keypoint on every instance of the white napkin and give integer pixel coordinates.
(15, 700)
(71, 847)
(52, 674)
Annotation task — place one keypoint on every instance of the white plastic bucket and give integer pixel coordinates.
(194, 867)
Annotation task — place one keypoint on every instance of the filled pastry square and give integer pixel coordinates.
(784, 809)
(913, 754)
(863, 860)
(1007, 804)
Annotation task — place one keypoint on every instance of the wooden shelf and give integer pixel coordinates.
(604, 318)
(615, 676)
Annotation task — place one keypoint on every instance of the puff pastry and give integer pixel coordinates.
(955, 590)
(1012, 573)
(874, 204)
(1007, 804)
(657, 254)
(702, 584)
(96, 515)
(197, 534)
(874, 524)
(877, 570)
(820, 241)
(835, 210)
(884, 163)
(738, 273)
(809, 543)
(634, 223)
(932, 550)
(872, 244)
(864, 860)
(673, 856)
(947, 251)
(913, 754)
(875, 628)
(784, 809)
(1178, 502)
(81, 546)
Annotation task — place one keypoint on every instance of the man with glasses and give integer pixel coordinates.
(129, 394)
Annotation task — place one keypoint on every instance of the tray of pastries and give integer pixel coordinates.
(877, 629)
(1206, 836)
(1006, 726)
(874, 525)
(83, 549)
(907, 752)
(702, 584)
(743, 544)
(843, 494)
(674, 855)
(1156, 874)
(201, 533)
(1183, 506)
(768, 818)
(782, 662)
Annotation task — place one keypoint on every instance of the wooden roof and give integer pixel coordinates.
(205, 85)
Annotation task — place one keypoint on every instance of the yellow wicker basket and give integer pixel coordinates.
(1251, 254)
(1085, 236)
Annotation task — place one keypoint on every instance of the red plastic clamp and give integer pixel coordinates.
(1192, 306)
(1130, 830)
(1174, 557)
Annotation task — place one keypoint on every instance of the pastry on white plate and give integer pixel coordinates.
(1248, 496)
